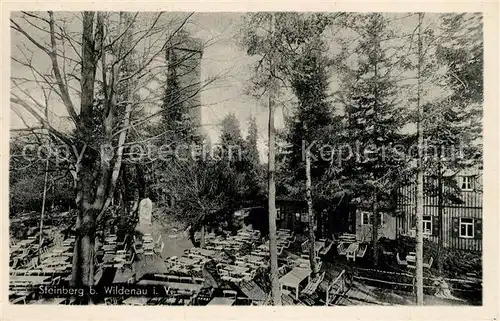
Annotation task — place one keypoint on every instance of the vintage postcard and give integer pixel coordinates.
(296, 160)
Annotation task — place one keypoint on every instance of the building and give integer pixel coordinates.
(460, 228)
(184, 63)
(461, 223)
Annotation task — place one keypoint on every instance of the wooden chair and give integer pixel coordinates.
(159, 249)
(429, 263)
(56, 280)
(400, 262)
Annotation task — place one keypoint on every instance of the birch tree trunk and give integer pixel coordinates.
(310, 216)
(375, 224)
(440, 216)
(273, 250)
(419, 251)
(202, 236)
(275, 286)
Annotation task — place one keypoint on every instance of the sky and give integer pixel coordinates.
(222, 58)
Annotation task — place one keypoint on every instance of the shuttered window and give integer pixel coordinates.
(466, 227)
(279, 213)
(427, 225)
(466, 183)
(366, 218)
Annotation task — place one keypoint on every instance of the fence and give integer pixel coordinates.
(459, 288)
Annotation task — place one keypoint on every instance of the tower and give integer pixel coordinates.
(184, 55)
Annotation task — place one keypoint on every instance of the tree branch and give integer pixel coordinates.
(57, 72)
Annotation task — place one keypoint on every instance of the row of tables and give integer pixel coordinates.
(53, 266)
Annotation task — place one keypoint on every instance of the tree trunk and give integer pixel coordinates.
(82, 269)
(83, 252)
(310, 216)
(440, 219)
(419, 251)
(202, 236)
(40, 237)
(141, 181)
(375, 224)
(275, 285)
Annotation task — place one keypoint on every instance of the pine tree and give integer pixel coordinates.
(252, 167)
(452, 124)
(310, 127)
(373, 121)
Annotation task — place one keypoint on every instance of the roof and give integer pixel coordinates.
(294, 277)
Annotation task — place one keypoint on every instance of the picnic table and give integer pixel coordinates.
(220, 243)
(20, 257)
(264, 247)
(187, 261)
(27, 241)
(352, 250)
(136, 300)
(236, 269)
(68, 241)
(14, 248)
(222, 301)
(293, 279)
(28, 279)
(50, 301)
(410, 259)
(252, 258)
(61, 250)
(191, 287)
(206, 253)
(55, 261)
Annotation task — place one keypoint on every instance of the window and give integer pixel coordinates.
(366, 218)
(466, 183)
(427, 225)
(279, 214)
(466, 227)
(302, 216)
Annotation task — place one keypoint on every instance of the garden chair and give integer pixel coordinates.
(400, 262)
(429, 263)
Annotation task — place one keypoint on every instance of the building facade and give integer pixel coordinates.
(460, 225)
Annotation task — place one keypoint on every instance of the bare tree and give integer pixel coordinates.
(106, 71)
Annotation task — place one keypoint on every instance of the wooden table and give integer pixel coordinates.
(136, 300)
(31, 279)
(50, 301)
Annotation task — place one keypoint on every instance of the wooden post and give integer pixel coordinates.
(40, 237)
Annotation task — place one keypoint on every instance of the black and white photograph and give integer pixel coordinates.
(258, 158)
